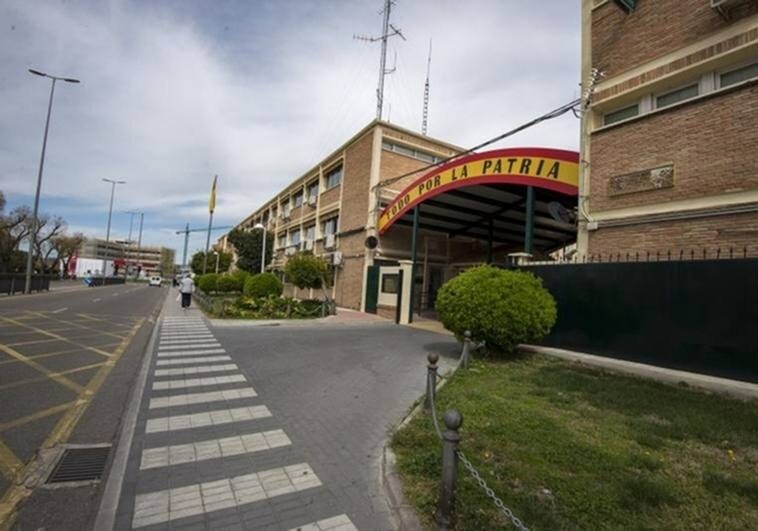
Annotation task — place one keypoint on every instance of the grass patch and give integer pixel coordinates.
(568, 447)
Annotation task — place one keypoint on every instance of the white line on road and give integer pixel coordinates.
(59, 310)
(213, 449)
(183, 371)
(189, 361)
(186, 339)
(206, 418)
(335, 523)
(96, 300)
(203, 343)
(197, 382)
(191, 353)
(202, 398)
(171, 504)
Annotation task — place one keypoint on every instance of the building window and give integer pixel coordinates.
(411, 152)
(329, 226)
(282, 242)
(295, 237)
(297, 199)
(310, 233)
(313, 189)
(621, 114)
(390, 283)
(739, 75)
(675, 96)
(333, 177)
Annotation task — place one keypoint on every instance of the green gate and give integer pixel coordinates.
(372, 288)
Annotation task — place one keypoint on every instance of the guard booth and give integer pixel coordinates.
(485, 207)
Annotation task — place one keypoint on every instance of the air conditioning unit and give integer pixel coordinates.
(722, 6)
(308, 245)
(329, 241)
(292, 249)
(337, 258)
(312, 200)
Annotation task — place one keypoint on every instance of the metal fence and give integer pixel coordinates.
(451, 452)
(11, 284)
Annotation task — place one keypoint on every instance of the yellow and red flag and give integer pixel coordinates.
(212, 200)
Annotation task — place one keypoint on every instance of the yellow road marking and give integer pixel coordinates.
(35, 416)
(56, 353)
(10, 465)
(56, 336)
(37, 367)
(22, 343)
(43, 378)
(62, 430)
(74, 323)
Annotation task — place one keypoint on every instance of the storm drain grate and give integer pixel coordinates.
(80, 464)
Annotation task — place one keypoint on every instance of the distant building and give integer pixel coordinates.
(670, 146)
(140, 261)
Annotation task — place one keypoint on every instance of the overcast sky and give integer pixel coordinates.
(256, 91)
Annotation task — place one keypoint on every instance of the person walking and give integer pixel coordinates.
(186, 287)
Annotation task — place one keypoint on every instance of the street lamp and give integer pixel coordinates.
(217, 257)
(110, 213)
(263, 254)
(35, 227)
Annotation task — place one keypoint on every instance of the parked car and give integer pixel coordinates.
(155, 281)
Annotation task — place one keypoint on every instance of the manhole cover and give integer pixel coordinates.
(80, 464)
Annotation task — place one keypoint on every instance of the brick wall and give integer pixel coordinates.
(711, 233)
(711, 142)
(355, 183)
(656, 27)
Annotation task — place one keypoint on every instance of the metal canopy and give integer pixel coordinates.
(474, 211)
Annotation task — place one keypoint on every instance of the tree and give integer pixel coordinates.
(167, 262)
(305, 270)
(224, 261)
(66, 247)
(14, 228)
(248, 247)
(47, 230)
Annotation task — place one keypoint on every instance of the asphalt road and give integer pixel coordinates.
(68, 359)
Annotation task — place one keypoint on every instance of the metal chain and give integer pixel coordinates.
(429, 376)
(518, 524)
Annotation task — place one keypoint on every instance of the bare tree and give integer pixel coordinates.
(44, 247)
(66, 247)
(14, 227)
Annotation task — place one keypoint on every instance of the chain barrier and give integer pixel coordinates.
(434, 407)
(517, 523)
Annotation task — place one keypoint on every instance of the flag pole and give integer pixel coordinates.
(211, 208)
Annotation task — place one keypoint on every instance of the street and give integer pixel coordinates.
(67, 360)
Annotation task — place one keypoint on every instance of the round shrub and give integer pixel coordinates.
(207, 283)
(228, 283)
(241, 275)
(502, 308)
(305, 270)
(263, 285)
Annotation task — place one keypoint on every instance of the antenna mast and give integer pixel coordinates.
(388, 30)
(425, 113)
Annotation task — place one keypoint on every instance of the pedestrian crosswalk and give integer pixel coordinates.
(183, 412)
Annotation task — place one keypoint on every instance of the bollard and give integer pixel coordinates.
(445, 515)
(466, 354)
(431, 379)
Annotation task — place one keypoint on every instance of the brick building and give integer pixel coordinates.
(477, 208)
(670, 143)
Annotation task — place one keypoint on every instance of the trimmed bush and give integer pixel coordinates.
(228, 283)
(502, 308)
(207, 283)
(263, 285)
(241, 275)
(305, 270)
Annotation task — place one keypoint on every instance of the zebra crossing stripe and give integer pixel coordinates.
(191, 353)
(197, 382)
(199, 344)
(213, 449)
(206, 418)
(191, 360)
(171, 504)
(183, 371)
(335, 523)
(202, 398)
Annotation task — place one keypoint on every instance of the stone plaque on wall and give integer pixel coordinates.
(642, 181)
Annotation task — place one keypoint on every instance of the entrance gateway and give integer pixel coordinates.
(482, 208)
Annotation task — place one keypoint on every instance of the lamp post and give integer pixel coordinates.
(35, 227)
(218, 255)
(263, 253)
(110, 213)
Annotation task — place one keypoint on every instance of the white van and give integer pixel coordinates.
(155, 281)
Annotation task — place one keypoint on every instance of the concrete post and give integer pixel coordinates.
(466, 354)
(445, 514)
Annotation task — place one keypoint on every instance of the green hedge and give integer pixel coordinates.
(208, 282)
(501, 308)
(263, 285)
(229, 283)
